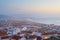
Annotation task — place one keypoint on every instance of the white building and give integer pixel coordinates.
(24, 28)
(13, 30)
(23, 38)
(37, 33)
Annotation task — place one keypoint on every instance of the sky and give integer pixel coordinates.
(43, 8)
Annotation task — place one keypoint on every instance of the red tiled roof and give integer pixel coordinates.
(3, 33)
(16, 37)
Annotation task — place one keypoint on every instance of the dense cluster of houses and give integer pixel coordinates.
(23, 29)
(24, 33)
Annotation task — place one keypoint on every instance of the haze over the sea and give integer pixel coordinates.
(45, 11)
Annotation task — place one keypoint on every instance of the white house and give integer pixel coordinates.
(37, 33)
(13, 31)
(23, 38)
(24, 28)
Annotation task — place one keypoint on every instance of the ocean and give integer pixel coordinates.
(55, 21)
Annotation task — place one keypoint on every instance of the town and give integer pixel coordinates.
(27, 30)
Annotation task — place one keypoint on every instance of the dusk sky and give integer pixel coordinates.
(41, 7)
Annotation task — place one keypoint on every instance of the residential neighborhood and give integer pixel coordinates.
(28, 31)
